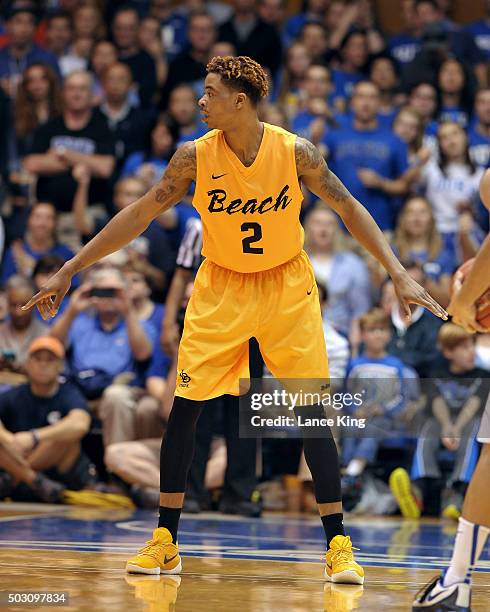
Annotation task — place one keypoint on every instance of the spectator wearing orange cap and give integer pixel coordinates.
(42, 424)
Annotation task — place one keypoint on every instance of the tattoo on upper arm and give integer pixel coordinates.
(308, 157)
(310, 160)
(182, 166)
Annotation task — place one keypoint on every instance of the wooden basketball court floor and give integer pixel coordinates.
(230, 564)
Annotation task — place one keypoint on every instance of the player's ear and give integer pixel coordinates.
(240, 100)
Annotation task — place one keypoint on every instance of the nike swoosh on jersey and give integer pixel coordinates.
(218, 176)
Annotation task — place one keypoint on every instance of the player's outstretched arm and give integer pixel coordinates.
(319, 179)
(122, 229)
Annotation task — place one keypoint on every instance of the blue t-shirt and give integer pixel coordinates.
(344, 83)
(21, 410)
(479, 147)
(480, 31)
(403, 48)
(10, 67)
(381, 379)
(380, 150)
(174, 34)
(453, 113)
(9, 267)
(137, 159)
(444, 263)
(300, 124)
(91, 347)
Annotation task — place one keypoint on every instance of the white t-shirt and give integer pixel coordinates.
(445, 193)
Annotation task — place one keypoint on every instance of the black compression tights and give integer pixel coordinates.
(321, 457)
(177, 449)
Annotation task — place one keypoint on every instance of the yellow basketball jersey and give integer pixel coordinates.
(250, 215)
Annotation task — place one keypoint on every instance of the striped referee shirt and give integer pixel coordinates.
(189, 256)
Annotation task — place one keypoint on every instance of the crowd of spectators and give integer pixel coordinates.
(94, 99)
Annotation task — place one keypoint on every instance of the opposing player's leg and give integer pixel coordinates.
(453, 588)
(213, 356)
(292, 343)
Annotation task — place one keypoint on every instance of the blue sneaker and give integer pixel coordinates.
(435, 597)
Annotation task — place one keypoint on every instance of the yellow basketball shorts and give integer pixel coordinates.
(280, 307)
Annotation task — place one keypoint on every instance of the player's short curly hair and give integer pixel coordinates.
(241, 73)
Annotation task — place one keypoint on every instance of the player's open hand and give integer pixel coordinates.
(408, 291)
(49, 297)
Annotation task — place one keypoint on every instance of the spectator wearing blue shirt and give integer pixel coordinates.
(456, 41)
(314, 13)
(173, 26)
(343, 273)
(381, 380)
(149, 164)
(423, 99)
(479, 132)
(39, 241)
(288, 90)
(183, 113)
(140, 292)
(480, 32)
(383, 72)
(353, 54)
(367, 146)
(416, 239)
(403, 47)
(189, 66)
(128, 412)
(314, 37)
(408, 125)
(456, 92)
(102, 332)
(311, 121)
(21, 50)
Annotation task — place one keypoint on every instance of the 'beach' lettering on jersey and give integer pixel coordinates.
(219, 203)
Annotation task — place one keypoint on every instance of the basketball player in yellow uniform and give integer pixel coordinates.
(452, 590)
(256, 280)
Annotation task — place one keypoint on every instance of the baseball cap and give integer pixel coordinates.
(47, 343)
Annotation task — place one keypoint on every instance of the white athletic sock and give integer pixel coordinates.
(355, 467)
(468, 546)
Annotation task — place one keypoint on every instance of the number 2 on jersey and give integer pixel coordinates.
(255, 237)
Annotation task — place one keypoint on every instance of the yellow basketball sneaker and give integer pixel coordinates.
(159, 556)
(403, 492)
(341, 566)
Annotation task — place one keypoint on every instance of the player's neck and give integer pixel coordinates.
(245, 140)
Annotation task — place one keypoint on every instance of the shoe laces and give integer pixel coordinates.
(152, 548)
(344, 553)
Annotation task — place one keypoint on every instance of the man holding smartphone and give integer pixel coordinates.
(102, 333)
